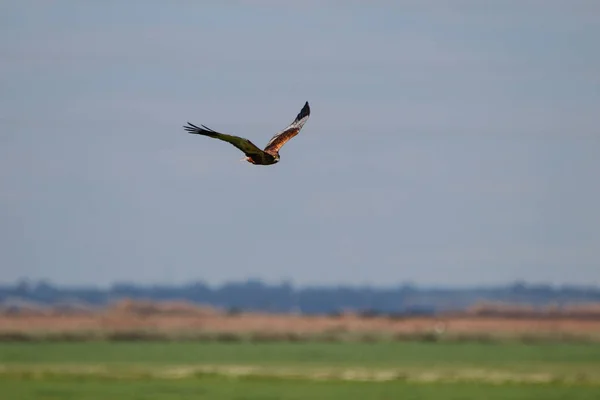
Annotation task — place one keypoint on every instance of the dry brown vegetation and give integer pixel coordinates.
(139, 320)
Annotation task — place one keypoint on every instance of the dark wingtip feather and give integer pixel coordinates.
(305, 112)
(208, 129)
(191, 128)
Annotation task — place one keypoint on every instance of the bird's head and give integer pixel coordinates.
(276, 156)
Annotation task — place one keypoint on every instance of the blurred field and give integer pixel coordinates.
(220, 388)
(145, 320)
(145, 350)
(245, 370)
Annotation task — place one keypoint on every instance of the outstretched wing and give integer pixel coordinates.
(292, 130)
(244, 145)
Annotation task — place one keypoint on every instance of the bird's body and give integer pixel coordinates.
(254, 155)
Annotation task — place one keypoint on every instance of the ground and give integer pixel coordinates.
(197, 324)
(150, 353)
(244, 370)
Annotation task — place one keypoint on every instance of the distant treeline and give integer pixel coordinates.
(255, 295)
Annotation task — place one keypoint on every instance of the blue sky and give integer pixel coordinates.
(450, 143)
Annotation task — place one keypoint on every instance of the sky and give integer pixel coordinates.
(449, 143)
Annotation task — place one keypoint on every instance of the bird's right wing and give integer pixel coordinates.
(292, 130)
(243, 144)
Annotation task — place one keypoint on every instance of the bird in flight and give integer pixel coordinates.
(254, 155)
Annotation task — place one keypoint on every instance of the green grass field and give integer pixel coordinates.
(383, 370)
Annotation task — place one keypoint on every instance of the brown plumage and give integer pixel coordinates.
(254, 155)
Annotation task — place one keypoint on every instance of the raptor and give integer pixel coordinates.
(254, 155)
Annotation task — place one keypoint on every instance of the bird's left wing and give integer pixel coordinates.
(243, 144)
(292, 130)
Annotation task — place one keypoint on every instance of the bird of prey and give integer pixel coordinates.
(254, 155)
